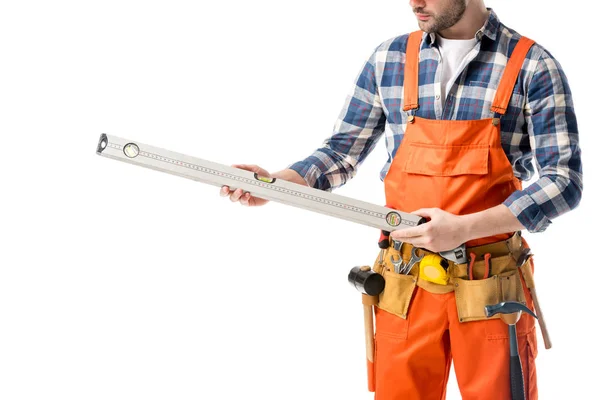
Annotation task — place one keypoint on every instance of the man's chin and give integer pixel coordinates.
(424, 26)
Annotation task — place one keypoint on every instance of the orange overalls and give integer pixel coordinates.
(460, 167)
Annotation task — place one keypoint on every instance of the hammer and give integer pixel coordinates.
(370, 284)
(510, 313)
(526, 271)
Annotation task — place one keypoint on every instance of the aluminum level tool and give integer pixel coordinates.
(286, 192)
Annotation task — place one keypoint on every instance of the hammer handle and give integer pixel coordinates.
(541, 320)
(370, 345)
(517, 386)
(368, 303)
(527, 272)
(369, 340)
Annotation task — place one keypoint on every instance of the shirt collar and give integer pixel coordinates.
(490, 29)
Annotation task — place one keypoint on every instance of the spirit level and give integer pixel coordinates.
(281, 191)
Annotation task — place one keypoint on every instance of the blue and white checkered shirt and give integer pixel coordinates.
(539, 126)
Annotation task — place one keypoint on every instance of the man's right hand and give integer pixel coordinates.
(245, 198)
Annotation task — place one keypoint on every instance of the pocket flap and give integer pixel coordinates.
(435, 160)
(397, 294)
(473, 296)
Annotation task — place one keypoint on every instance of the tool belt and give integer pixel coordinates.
(504, 282)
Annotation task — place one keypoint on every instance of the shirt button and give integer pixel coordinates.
(437, 96)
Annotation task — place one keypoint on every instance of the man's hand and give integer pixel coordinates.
(245, 198)
(444, 231)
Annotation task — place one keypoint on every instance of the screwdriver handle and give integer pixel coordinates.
(384, 240)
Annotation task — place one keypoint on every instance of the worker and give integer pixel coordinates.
(467, 106)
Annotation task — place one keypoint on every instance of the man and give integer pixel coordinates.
(467, 105)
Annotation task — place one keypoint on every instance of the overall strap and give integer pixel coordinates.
(509, 77)
(411, 71)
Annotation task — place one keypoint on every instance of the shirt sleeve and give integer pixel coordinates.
(356, 131)
(554, 142)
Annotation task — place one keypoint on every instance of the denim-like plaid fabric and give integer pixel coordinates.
(539, 127)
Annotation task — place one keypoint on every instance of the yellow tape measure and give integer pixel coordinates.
(434, 268)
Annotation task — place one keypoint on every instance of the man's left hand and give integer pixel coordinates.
(444, 231)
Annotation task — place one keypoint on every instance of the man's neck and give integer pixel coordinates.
(473, 19)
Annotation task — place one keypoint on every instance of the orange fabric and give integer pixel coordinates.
(509, 77)
(411, 68)
(460, 167)
(371, 376)
(413, 355)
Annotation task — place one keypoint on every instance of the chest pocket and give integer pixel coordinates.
(436, 160)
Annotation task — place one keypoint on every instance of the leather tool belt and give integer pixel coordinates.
(504, 282)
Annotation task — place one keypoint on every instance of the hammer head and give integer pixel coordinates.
(366, 281)
(507, 307)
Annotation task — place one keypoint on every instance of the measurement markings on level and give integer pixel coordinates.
(290, 193)
(256, 183)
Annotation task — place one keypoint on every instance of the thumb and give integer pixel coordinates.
(424, 212)
(253, 168)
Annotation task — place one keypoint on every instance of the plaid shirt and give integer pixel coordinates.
(538, 128)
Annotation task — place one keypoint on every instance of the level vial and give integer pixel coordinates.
(131, 150)
(264, 178)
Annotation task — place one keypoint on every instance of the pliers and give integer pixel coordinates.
(488, 265)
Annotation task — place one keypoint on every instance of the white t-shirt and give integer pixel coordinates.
(454, 55)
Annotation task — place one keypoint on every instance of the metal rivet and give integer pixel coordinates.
(456, 284)
(414, 281)
(461, 320)
(411, 118)
(495, 121)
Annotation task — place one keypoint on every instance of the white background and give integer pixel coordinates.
(125, 283)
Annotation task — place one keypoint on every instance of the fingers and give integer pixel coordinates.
(236, 195)
(407, 233)
(413, 236)
(422, 242)
(245, 199)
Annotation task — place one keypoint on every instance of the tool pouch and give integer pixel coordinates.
(473, 295)
(399, 288)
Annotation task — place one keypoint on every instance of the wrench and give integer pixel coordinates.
(398, 264)
(414, 258)
(397, 244)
